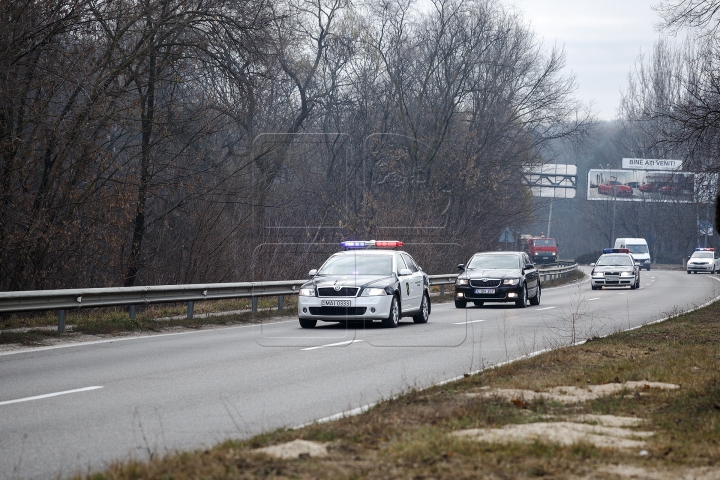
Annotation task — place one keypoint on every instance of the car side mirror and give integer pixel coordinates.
(461, 267)
(592, 264)
(312, 272)
(405, 271)
(529, 266)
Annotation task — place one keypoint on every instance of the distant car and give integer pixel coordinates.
(615, 268)
(366, 283)
(647, 188)
(671, 190)
(615, 187)
(703, 260)
(498, 277)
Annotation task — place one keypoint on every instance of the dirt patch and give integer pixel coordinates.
(570, 394)
(295, 449)
(606, 431)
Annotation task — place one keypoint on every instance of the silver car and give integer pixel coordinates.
(615, 268)
(366, 283)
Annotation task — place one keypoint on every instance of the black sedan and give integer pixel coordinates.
(498, 277)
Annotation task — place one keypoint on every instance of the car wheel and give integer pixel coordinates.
(594, 287)
(424, 314)
(536, 299)
(479, 303)
(633, 286)
(648, 267)
(688, 272)
(304, 323)
(394, 317)
(460, 304)
(522, 302)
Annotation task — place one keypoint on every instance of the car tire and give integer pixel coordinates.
(460, 304)
(633, 286)
(536, 299)
(594, 287)
(394, 316)
(522, 302)
(688, 272)
(648, 268)
(479, 303)
(305, 323)
(424, 313)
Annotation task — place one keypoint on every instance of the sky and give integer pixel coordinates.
(602, 41)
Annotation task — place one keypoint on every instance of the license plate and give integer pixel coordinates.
(335, 303)
(485, 290)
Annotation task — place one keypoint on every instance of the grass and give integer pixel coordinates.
(407, 436)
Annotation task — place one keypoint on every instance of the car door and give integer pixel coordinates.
(532, 276)
(406, 281)
(417, 282)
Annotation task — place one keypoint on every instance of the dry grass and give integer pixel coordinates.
(409, 436)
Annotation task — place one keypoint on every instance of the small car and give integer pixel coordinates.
(371, 280)
(615, 187)
(616, 267)
(498, 277)
(703, 260)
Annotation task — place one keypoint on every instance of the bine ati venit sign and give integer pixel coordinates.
(651, 164)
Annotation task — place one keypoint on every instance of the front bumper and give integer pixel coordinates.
(351, 308)
(700, 267)
(612, 281)
(503, 293)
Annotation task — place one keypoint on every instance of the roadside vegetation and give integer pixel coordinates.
(677, 428)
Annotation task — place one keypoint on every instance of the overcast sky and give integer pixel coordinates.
(602, 40)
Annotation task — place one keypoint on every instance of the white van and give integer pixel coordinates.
(638, 249)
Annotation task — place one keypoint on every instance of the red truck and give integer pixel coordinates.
(540, 249)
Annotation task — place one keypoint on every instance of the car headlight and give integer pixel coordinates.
(462, 281)
(373, 292)
(307, 292)
(626, 274)
(511, 281)
(598, 274)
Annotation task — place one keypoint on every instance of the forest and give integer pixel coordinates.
(155, 142)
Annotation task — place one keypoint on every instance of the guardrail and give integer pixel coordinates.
(63, 300)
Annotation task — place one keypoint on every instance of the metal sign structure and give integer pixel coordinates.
(651, 164)
(553, 180)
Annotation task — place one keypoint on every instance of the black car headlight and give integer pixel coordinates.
(511, 281)
(462, 281)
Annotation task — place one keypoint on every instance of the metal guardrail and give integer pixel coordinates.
(62, 300)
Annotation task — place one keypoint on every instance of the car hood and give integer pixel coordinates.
(475, 274)
(613, 268)
(321, 281)
(700, 260)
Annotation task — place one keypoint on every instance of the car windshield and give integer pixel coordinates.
(547, 242)
(357, 265)
(494, 261)
(703, 255)
(615, 260)
(637, 248)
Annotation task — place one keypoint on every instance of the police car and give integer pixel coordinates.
(616, 267)
(370, 280)
(703, 260)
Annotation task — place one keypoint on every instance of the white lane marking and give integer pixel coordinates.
(333, 344)
(546, 308)
(48, 395)
(591, 299)
(623, 293)
(471, 321)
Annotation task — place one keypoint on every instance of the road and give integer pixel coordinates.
(79, 406)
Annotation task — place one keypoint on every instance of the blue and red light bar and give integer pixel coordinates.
(704, 249)
(616, 250)
(372, 243)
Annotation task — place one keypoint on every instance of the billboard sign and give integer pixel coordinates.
(651, 186)
(651, 164)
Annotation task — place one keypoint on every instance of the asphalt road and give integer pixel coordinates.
(77, 407)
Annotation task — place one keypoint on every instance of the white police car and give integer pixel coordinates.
(703, 260)
(615, 268)
(370, 280)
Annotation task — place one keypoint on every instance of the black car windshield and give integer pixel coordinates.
(494, 261)
(357, 265)
(615, 260)
(637, 248)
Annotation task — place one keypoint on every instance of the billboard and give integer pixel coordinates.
(651, 164)
(553, 180)
(651, 186)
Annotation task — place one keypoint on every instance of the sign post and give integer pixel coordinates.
(507, 236)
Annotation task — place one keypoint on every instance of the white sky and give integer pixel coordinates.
(602, 41)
